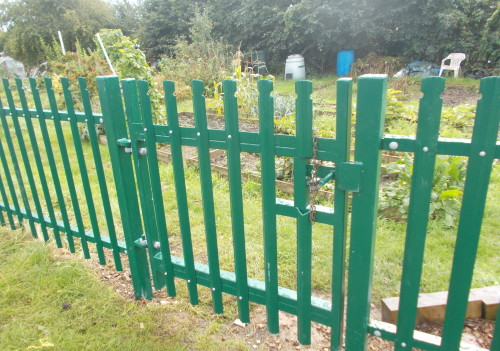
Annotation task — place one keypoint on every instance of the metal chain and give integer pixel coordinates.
(313, 183)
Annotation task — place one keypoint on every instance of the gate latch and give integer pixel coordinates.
(348, 175)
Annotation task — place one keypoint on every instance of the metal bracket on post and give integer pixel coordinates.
(349, 176)
(126, 144)
(141, 242)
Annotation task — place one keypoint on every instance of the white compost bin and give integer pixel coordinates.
(295, 67)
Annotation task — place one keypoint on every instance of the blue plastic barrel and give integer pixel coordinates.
(344, 61)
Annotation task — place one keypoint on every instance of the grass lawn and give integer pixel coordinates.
(48, 298)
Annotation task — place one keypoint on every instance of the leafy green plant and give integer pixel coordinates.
(396, 109)
(446, 197)
(285, 125)
(246, 91)
(246, 88)
(459, 117)
(284, 105)
(130, 62)
(73, 65)
(284, 168)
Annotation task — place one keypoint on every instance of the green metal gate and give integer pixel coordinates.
(132, 142)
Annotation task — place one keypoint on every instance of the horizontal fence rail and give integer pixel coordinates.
(74, 204)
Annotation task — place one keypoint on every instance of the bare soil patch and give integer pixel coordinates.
(476, 332)
(214, 121)
(460, 95)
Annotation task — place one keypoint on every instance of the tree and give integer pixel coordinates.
(431, 29)
(318, 30)
(489, 52)
(163, 22)
(31, 23)
(3, 38)
(252, 25)
(127, 16)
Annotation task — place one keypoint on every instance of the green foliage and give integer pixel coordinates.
(489, 52)
(420, 29)
(459, 117)
(127, 16)
(284, 168)
(30, 23)
(125, 56)
(396, 109)
(3, 39)
(247, 93)
(432, 29)
(446, 197)
(130, 62)
(76, 64)
(285, 125)
(163, 22)
(3, 72)
(204, 58)
(284, 105)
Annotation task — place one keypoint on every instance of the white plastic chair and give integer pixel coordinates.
(454, 65)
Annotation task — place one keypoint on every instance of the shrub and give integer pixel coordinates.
(130, 62)
(204, 58)
(246, 90)
(73, 65)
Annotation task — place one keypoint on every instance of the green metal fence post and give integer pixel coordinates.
(5, 200)
(371, 100)
(418, 211)
(154, 177)
(267, 161)
(139, 153)
(52, 164)
(495, 342)
(61, 142)
(236, 197)
(304, 138)
(180, 189)
(200, 119)
(10, 183)
(25, 158)
(68, 98)
(38, 161)
(482, 154)
(101, 178)
(343, 137)
(121, 163)
(17, 170)
(2, 218)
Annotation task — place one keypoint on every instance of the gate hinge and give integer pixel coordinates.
(348, 175)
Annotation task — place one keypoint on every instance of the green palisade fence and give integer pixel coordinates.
(29, 192)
